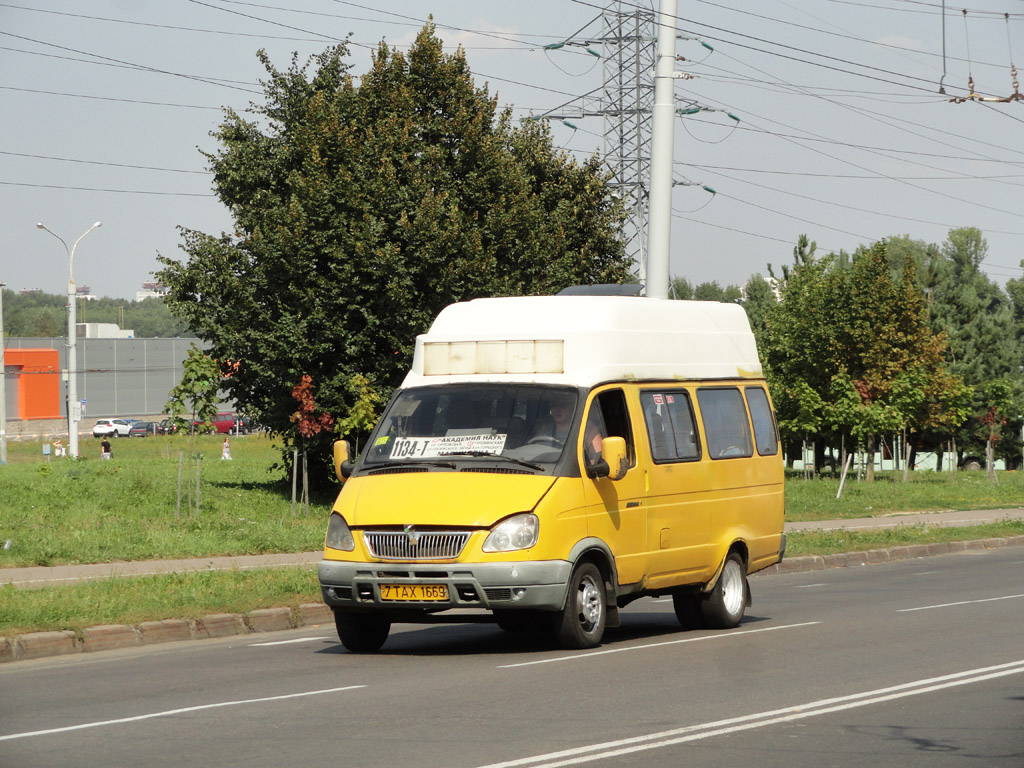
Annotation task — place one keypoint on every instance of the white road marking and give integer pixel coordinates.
(808, 586)
(962, 602)
(761, 719)
(289, 642)
(592, 654)
(170, 712)
(925, 573)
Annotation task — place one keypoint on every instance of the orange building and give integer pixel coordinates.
(38, 382)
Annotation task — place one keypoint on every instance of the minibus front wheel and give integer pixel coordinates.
(361, 632)
(580, 623)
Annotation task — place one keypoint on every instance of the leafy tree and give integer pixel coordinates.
(681, 289)
(707, 291)
(758, 300)
(45, 314)
(196, 394)
(978, 318)
(364, 412)
(361, 211)
(859, 339)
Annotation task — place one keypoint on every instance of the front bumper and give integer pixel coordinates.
(536, 585)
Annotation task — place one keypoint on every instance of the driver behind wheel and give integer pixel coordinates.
(561, 406)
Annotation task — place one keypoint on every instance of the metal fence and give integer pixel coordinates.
(115, 377)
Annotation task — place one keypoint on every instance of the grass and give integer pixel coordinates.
(90, 511)
(808, 500)
(835, 542)
(132, 600)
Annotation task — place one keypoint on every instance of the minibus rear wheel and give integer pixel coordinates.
(580, 624)
(688, 609)
(361, 632)
(724, 605)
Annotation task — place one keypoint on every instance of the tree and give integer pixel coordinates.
(196, 394)
(361, 211)
(857, 337)
(978, 318)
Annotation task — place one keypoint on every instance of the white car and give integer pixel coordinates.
(111, 428)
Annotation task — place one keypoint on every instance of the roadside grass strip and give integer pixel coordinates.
(609, 749)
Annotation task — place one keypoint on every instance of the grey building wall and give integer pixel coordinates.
(116, 377)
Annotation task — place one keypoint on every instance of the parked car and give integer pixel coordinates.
(142, 429)
(223, 423)
(166, 427)
(111, 428)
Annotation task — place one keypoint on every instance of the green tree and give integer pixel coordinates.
(978, 318)
(361, 211)
(853, 331)
(196, 395)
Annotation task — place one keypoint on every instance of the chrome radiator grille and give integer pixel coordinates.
(429, 545)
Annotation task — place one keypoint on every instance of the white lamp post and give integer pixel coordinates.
(3, 382)
(74, 409)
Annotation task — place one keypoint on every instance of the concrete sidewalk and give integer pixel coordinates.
(896, 519)
(28, 578)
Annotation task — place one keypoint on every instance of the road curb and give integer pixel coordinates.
(875, 556)
(36, 645)
(105, 637)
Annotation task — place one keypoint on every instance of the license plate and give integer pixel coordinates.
(413, 592)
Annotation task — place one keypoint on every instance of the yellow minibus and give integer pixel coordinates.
(548, 460)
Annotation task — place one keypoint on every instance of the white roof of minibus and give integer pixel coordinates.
(584, 341)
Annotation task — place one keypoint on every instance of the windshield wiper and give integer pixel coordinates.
(489, 455)
(385, 464)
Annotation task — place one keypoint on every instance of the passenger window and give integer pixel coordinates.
(765, 436)
(608, 417)
(726, 427)
(670, 426)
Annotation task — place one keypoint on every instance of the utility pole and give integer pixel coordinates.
(659, 222)
(3, 381)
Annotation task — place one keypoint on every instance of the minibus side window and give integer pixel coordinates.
(726, 427)
(765, 436)
(670, 426)
(609, 417)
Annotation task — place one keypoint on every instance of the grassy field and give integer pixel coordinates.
(92, 511)
(59, 511)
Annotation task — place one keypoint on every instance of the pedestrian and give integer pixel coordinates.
(58, 447)
(105, 452)
(225, 450)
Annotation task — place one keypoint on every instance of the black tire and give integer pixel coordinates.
(361, 632)
(724, 606)
(688, 609)
(580, 624)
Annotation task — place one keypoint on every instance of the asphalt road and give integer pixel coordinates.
(911, 663)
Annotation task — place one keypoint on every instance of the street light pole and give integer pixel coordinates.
(3, 382)
(74, 408)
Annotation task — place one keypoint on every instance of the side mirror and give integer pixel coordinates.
(614, 461)
(343, 465)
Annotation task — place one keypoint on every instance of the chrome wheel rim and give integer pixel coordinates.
(589, 604)
(732, 588)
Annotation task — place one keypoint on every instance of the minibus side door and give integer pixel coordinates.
(677, 489)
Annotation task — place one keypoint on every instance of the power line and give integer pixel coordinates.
(105, 98)
(100, 189)
(108, 164)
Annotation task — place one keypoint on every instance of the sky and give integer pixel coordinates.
(842, 132)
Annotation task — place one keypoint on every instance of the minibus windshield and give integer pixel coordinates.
(526, 423)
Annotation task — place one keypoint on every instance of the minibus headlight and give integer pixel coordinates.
(338, 534)
(519, 532)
